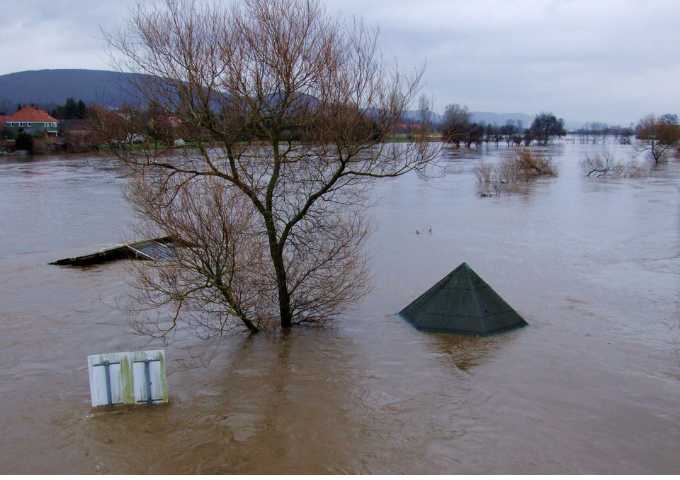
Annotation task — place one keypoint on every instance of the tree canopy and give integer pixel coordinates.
(545, 127)
(70, 110)
(289, 110)
(659, 135)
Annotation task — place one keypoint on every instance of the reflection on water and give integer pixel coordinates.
(592, 385)
(465, 353)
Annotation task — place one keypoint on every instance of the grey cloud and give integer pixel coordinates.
(611, 60)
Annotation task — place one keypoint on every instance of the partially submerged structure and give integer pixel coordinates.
(156, 249)
(128, 378)
(462, 302)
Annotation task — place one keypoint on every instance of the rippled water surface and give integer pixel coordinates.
(592, 385)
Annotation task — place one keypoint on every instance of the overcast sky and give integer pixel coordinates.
(607, 60)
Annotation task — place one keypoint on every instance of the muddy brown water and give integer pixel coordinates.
(592, 385)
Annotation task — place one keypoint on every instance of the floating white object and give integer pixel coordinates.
(127, 378)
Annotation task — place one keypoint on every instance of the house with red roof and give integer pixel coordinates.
(31, 120)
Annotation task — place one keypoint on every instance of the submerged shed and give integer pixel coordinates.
(157, 249)
(462, 302)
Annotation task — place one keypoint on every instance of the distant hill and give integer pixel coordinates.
(48, 88)
(415, 116)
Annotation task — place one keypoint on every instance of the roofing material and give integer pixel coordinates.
(30, 114)
(462, 302)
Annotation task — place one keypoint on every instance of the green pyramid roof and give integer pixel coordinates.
(462, 302)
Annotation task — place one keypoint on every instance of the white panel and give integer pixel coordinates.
(98, 386)
(156, 382)
(116, 387)
(139, 374)
(135, 378)
(140, 381)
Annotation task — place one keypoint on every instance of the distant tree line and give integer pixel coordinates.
(658, 136)
(457, 128)
(71, 110)
(598, 132)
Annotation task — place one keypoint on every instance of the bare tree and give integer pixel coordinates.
(659, 136)
(289, 110)
(604, 165)
(425, 115)
(456, 123)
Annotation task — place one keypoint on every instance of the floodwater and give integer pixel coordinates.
(591, 385)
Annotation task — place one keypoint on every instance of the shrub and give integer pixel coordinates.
(529, 165)
(603, 165)
(41, 145)
(6, 134)
(512, 172)
(488, 183)
(24, 141)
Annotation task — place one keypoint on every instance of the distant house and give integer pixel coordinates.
(32, 120)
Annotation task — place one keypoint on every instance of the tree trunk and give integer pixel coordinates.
(276, 252)
(284, 296)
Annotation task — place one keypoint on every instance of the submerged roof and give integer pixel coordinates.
(464, 303)
(157, 249)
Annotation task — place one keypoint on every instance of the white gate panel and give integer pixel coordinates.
(98, 385)
(149, 378)
(128, 378)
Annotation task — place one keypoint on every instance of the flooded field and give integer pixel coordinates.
(592, 385)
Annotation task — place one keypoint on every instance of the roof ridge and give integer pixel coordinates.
(470, 279)
(466, 304)
(30, 113)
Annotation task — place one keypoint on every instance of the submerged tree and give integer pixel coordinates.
(545, 127)
(455, 124)
(512, 172)
(658, 136)
(289, 110)
(604, 165)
